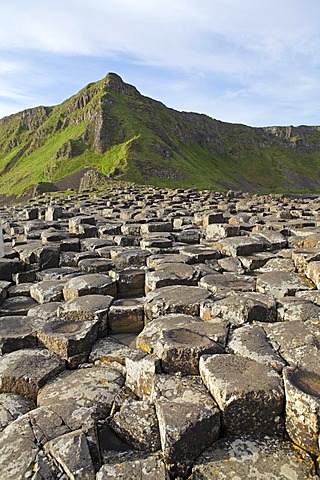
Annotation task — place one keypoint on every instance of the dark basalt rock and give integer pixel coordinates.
(153, 343)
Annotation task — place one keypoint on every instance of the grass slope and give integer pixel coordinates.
(108, 125)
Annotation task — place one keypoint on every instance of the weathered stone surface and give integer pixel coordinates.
(137, 424)
(185, 428)
(130, 282)
(171, 274)
(277, 265)
(199, 253)
(21, 441)
(92, 388)
(87, 308)
(235, 246)
(313, 272)
(258, 459)
(126, 315)
(176, 299)
(231, 264)
(281, 284)
(12, 406)
(109, 349)
(303, 408)
(250, 341)
(95, 265)
(147, 340)
(248, 393)
(45, 311)
(215, 231)
(240, 308)
(291, 309)
(71, 340)
(222, 283)
(297, 343)
(91, 284)
(142, 468)
(181, 348)
(133, 257)
(25, 371)
(17, 306)
(47, 291)
(72, 453)
(141, 371)
(17, 332)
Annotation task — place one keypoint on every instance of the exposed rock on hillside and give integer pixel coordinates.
(111, 127)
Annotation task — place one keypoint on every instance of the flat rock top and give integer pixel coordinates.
(257, 459)
(234, 374)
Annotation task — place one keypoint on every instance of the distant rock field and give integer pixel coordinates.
(156, 334)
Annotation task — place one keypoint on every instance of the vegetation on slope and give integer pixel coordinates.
(111, 127)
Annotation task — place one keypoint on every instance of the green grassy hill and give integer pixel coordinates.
(111, 127)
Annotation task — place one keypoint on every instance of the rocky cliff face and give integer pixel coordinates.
(110, 126)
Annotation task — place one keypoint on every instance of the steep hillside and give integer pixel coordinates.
(111, 127)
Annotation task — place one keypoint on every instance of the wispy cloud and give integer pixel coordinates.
(250, 62)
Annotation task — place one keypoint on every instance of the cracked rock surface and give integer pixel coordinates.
(156, 334)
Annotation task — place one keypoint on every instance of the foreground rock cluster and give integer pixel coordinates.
(156, 334)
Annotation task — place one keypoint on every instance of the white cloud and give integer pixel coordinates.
(247, 52)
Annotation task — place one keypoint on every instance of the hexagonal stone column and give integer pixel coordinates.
(248, 393)
(26, 371)
(72, 341)
(93, 308)
(176, 299)
(245, 457)
(282, 284)
(303, 408)
(126, 315)
(95, 283)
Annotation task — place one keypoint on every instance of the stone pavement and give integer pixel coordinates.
(160, 334)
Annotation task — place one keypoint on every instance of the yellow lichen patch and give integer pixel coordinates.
(144, 347)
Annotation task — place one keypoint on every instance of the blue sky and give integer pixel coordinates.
(255, 62)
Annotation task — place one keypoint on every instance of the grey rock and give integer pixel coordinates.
(141, 372)
(17, 332)
(17, 306)
(137, 423)
(126, 315)
(185, 428)
(303, 408)
(171, 274)
(240, 308)
(250, 341)
(90, 284)
(176, 299)
(21, 441)
(72, 453)
(223, 283)
(25, 371)
(142, 468)
(260, 459)
(297, 343)
(70, 340)
(88, 308)
(47, 291)
(282, 284)
(292, 309)
(12, 406)
(91, 389)
(248, 393)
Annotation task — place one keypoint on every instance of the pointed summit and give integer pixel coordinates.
(115, 84)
